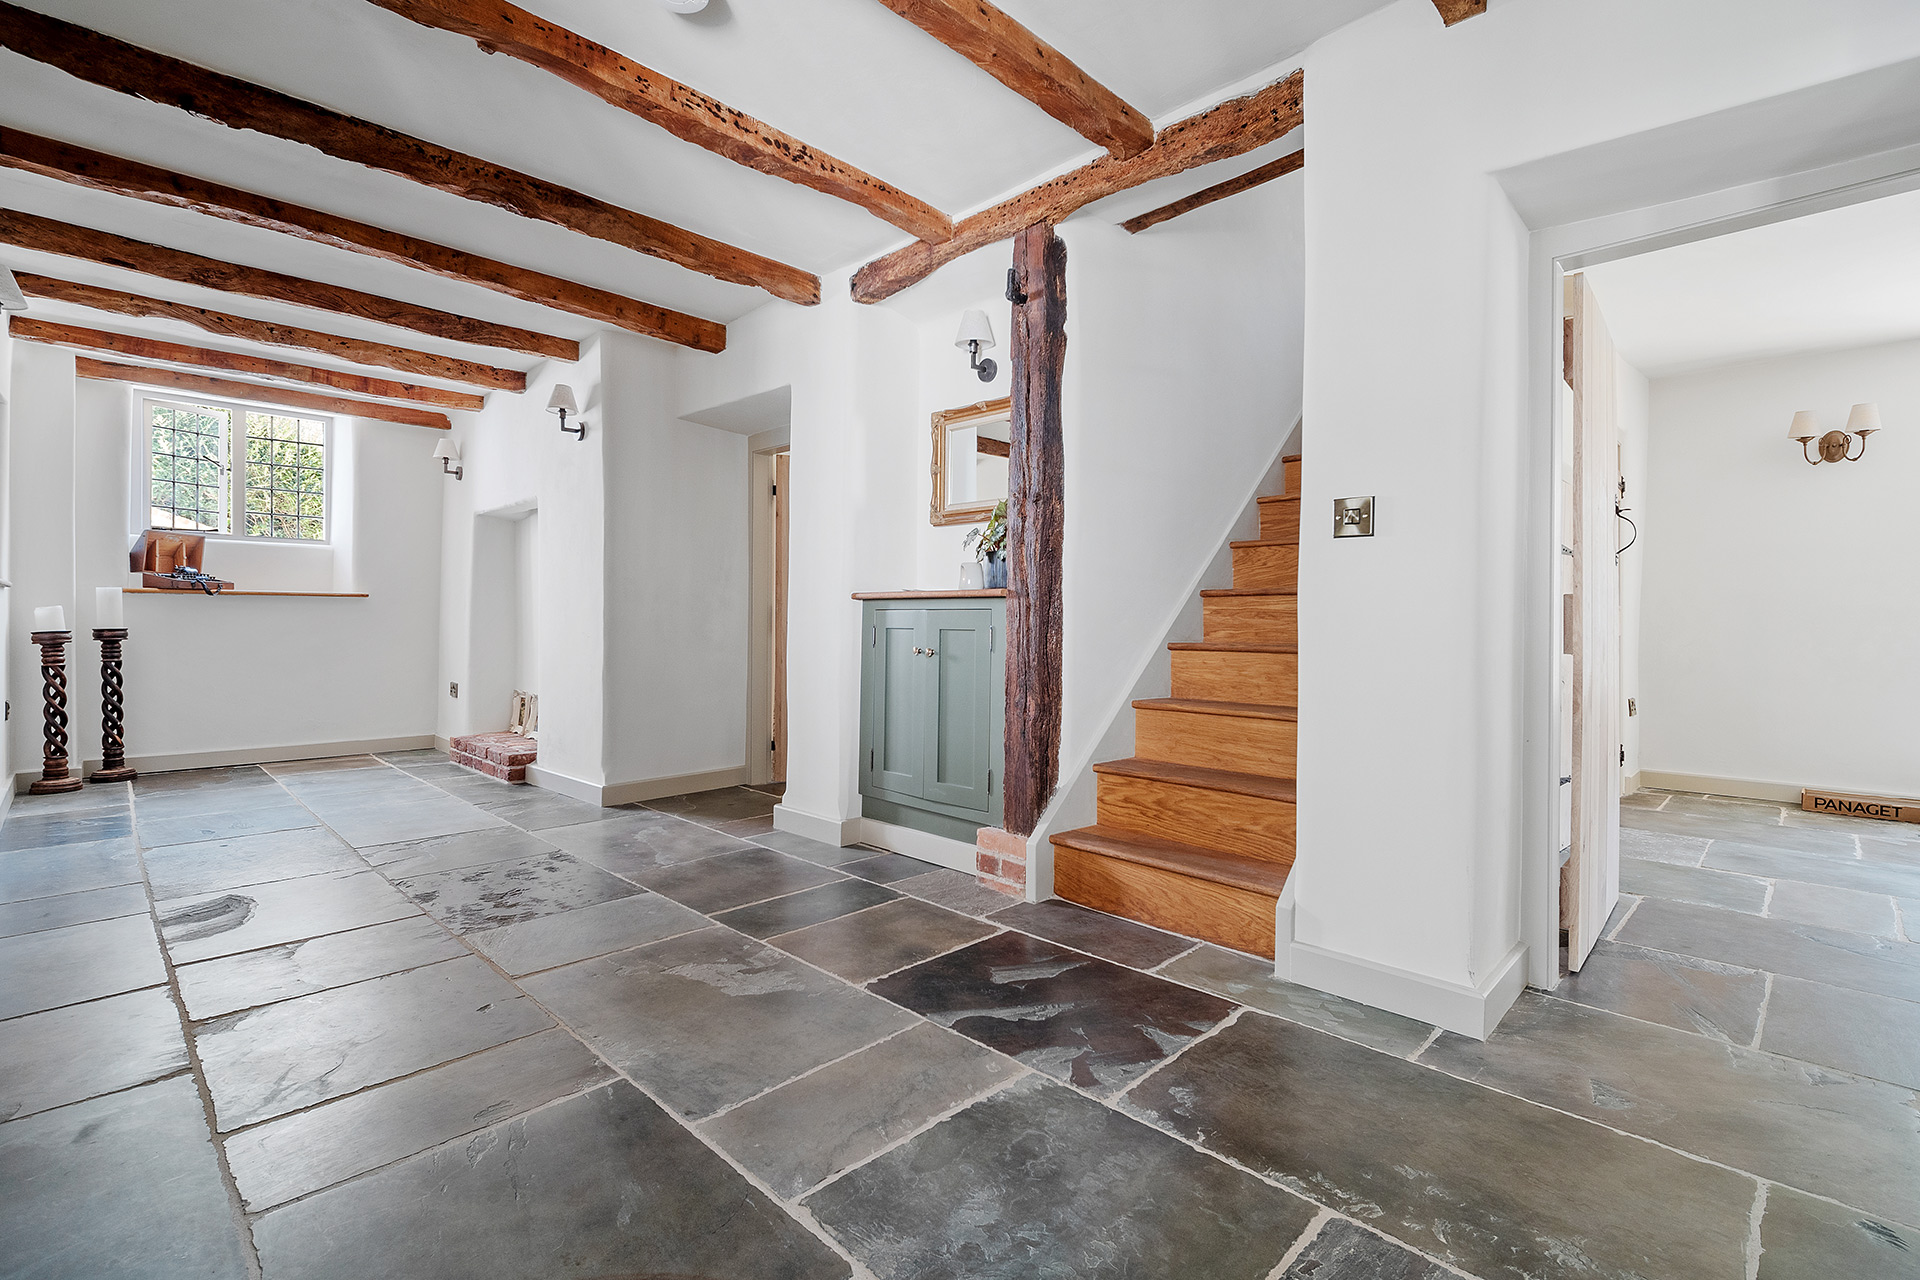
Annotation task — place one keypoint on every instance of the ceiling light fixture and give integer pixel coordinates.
(976, 335)
(563, 403)
(1835, 446)
(11, 299)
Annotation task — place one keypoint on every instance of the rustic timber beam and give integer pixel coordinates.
(1219, 191)
(1032, 68)
(1233, 128)
(47, 235)
(73, 335)
(106, 371)
(1452, 11)
(100, 172)
(681, 110)
(125, 68)
(1036, 529)
(357, 350)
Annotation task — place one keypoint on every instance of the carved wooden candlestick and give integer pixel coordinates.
(54, 774)
(113, 747)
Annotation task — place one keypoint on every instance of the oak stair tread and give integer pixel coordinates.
(1279, 497)
(1216, 592)
(1250, 874)
(1232, 646)
(1257, 785)
(1211, 707)
(1261, 542)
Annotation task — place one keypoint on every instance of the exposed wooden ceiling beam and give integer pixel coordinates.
(424, 364)
(1219, 191)
(125, 68)
(680, 109)
(73, 335)
(1032, 68)
(1452, 11)
(106, 371)
(48, 235)
(100, 172)
(1230, 129)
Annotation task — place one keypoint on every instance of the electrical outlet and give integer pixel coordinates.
(453, 689)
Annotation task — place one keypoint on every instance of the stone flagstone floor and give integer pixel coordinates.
(384, 1017)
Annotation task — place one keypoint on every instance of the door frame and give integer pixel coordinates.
(763, 602)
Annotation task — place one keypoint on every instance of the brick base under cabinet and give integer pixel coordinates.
(498, 755)
(1000, 861)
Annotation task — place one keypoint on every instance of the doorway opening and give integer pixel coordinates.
(770, 530)
(504, 661)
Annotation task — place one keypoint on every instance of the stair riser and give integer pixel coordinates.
(1253, 619)
(1269, 678)
(1242, 745)
(1280, 521)
(1218, 913)
(1223, 821)
(1293, 477)
(1266, 568)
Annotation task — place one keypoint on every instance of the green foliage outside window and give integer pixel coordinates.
(285, 479)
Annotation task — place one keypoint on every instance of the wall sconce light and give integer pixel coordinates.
(563, 403)
(1835, 446)
(449, 454)
(976, 335)
(11, 299)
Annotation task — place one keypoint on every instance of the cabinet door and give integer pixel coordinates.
(895, 674)
(962, 671)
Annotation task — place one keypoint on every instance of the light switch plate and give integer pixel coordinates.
(1353, 517)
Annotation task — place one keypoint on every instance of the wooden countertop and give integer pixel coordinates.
(989, 593)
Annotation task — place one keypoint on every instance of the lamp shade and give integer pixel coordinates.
(1864, 418)
(447, 449)
(974, 328)
(562, 401)
(1806, 426)
(11, 299)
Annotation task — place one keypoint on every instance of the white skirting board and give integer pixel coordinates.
(253, 755)
(939, 850)
(618, 793)
(839, 832)
(1782, 792)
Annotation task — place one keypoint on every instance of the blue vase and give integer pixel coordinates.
(996, 570)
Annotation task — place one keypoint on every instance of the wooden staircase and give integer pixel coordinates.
(1195, 832)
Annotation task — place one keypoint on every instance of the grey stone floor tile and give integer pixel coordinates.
(70, 868)
(1778, 946)
(533, 808)
(956, 891)
(804, 1132)
(827, 855)
(1660, 846)
(1832, 908)
(1645, 800)
(214, 988)
(326, 764)
(1621, 910)
(45, 831)
(885, 868)
(413, 810)
(1855, 1140)
(1871, 828)
(1249, 980)
(80, 962)
(1770, 835)
(585, 932)
(473, 786)
(35, 914)
(1802, 1238)
(1706, 997)
(270, 1061)
(1473, 1177)
(183, 870)
(503, 893)
(434, 771)
(1343, 1251)
(809, 906)
(267, 915)
(192, 779)
(711, 1018)
(84, 1050)
(1692, 884)
(642, 841)
(1766, 813)
(1868, 1035)
(865, 945)
(1898, 844)
(287, 815)
(295, 1155)
(124, 1187)
(1841, 872)
(605, 1185)
(1093, 1024)
(1037, 1180)
(727, 804)
(94, 797)
(1095, 932)
(744, 828)
(735, 879)
(414, 755)
(450, 853)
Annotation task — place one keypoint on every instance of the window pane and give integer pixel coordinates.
(186, 452)
(286, 475)
(285, 527)
(313, 529)
(259, 526)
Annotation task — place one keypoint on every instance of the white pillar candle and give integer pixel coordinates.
(108, 612)
(50, 617)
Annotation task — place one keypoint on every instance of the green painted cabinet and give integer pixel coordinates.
(933, 712)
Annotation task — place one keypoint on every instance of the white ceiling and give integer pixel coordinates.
(1848, 277)
(848, 77)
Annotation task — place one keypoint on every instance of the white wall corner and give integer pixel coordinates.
(839, 832)
(1283, 933)
(1465, 1010)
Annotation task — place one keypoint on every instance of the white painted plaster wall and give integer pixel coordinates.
(1780, 619)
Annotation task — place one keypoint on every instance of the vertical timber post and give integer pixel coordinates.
(1036, 525)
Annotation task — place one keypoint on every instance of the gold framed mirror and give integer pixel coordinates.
(970, 455)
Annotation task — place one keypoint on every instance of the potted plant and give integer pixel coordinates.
(990, 546)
